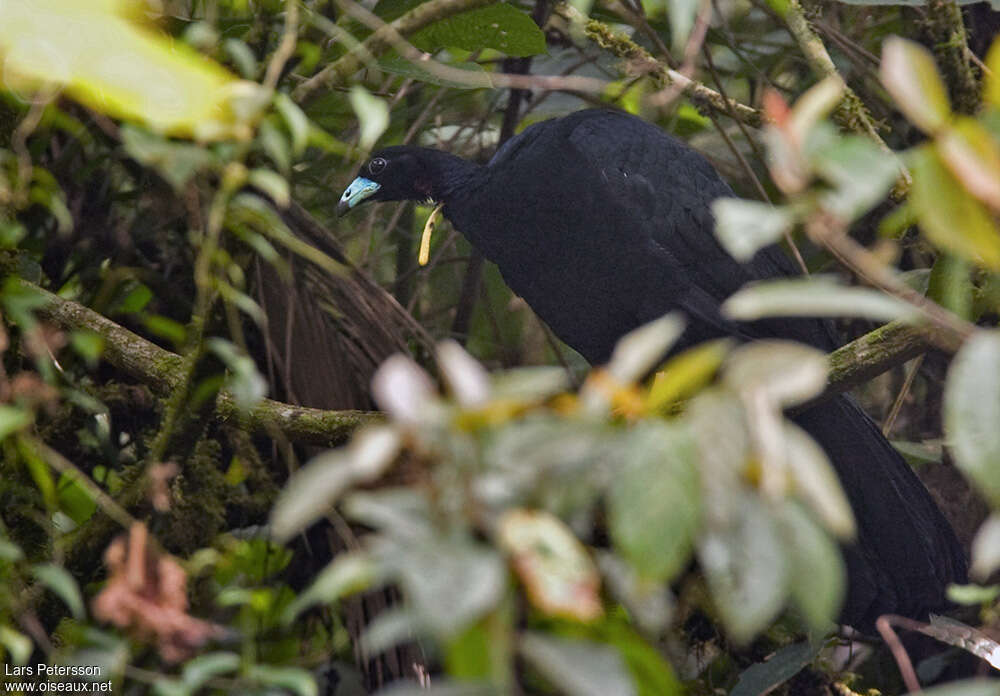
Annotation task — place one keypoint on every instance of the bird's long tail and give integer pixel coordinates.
(906, 552)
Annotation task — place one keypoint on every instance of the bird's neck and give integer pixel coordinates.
(451, 176)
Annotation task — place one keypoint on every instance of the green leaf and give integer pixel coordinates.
(500, 26)
(12, 419)
(18, 645)
(970, 595)
(992, 78)
(373, 115)
(296, 121)
(243, 380)
(763, 677)
(911, 77)
(860, 172)
(451, 584)
(271, 183)
(986, 548)
(176, 162)
(346, 574)
(967, 687)
(242, 57)
(746, 568)
(582, 668)
(818, 577)
(107, 57)
(204, 667)
(318, 485)
(948, 214)
(58, 579)
(88, 344)
(654, 504)
(9, 551)
(972, 154)
(744, 227)
(638, 351)
(972, 412)
(813, 297)
(74, 499)
(297, 680)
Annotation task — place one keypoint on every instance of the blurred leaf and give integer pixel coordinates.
(685, 373)
(167, 328)
(812, 297)
(815, 482)
(58, 579)
(558, 574)
(967, 687)
(347, 573)
(74, 499)
(654, 504)
(404, 390)
(948, 214)
(909, 74)
(746, 568)
(373, 115)
(638, 351)
(813, 106)
(650, 604)
(113, 64)
(682, 14)
(271, 183)
(973, 156)
(314, 488)
(451, 583)
(818, 576)
(241, 55)
(391, 627)
(243, 380)
(992, 78)
(578, 667)
(296, 121)
(176, 162)
(89, 345)
(204, 667)
(12, 419)
(467, 380)
(500, 26)
(986, 548)
(744, 227)
(402, 513)
(17, 644)
(9, 551)
(764, 677)
(972, 412)
(860, 172)
(950, 284)
(299, 681)
(970, 595)
(786, 371)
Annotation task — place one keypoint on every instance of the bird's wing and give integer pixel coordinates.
(669, 188)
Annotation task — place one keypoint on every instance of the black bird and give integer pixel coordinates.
(602, 222)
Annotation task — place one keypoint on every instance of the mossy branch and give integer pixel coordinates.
(851, 114)
(642, 61)
(162, 371)
(853, 364)
(946, 30)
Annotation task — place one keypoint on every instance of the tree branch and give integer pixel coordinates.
(620, 45)
(159, 369)
(413, 21)
(853, 364)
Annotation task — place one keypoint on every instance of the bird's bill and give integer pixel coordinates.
(360, 189)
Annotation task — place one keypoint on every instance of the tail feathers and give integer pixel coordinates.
(906, 552)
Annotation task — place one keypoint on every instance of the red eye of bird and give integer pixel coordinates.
(376, 165)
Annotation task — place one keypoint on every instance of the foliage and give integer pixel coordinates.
(544, 527)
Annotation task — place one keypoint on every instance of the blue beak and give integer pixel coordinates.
(360, 189)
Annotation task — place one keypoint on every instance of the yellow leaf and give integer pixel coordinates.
(911, 77)
(103, 57)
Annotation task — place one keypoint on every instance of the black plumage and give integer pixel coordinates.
(602, 222)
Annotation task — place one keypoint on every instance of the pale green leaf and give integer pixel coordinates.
(578, 667)
(911, 77)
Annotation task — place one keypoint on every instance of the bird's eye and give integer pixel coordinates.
(376, 165)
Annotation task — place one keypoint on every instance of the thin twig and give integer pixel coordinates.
(884, 625)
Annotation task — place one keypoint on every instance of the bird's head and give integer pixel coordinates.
(394, 174)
